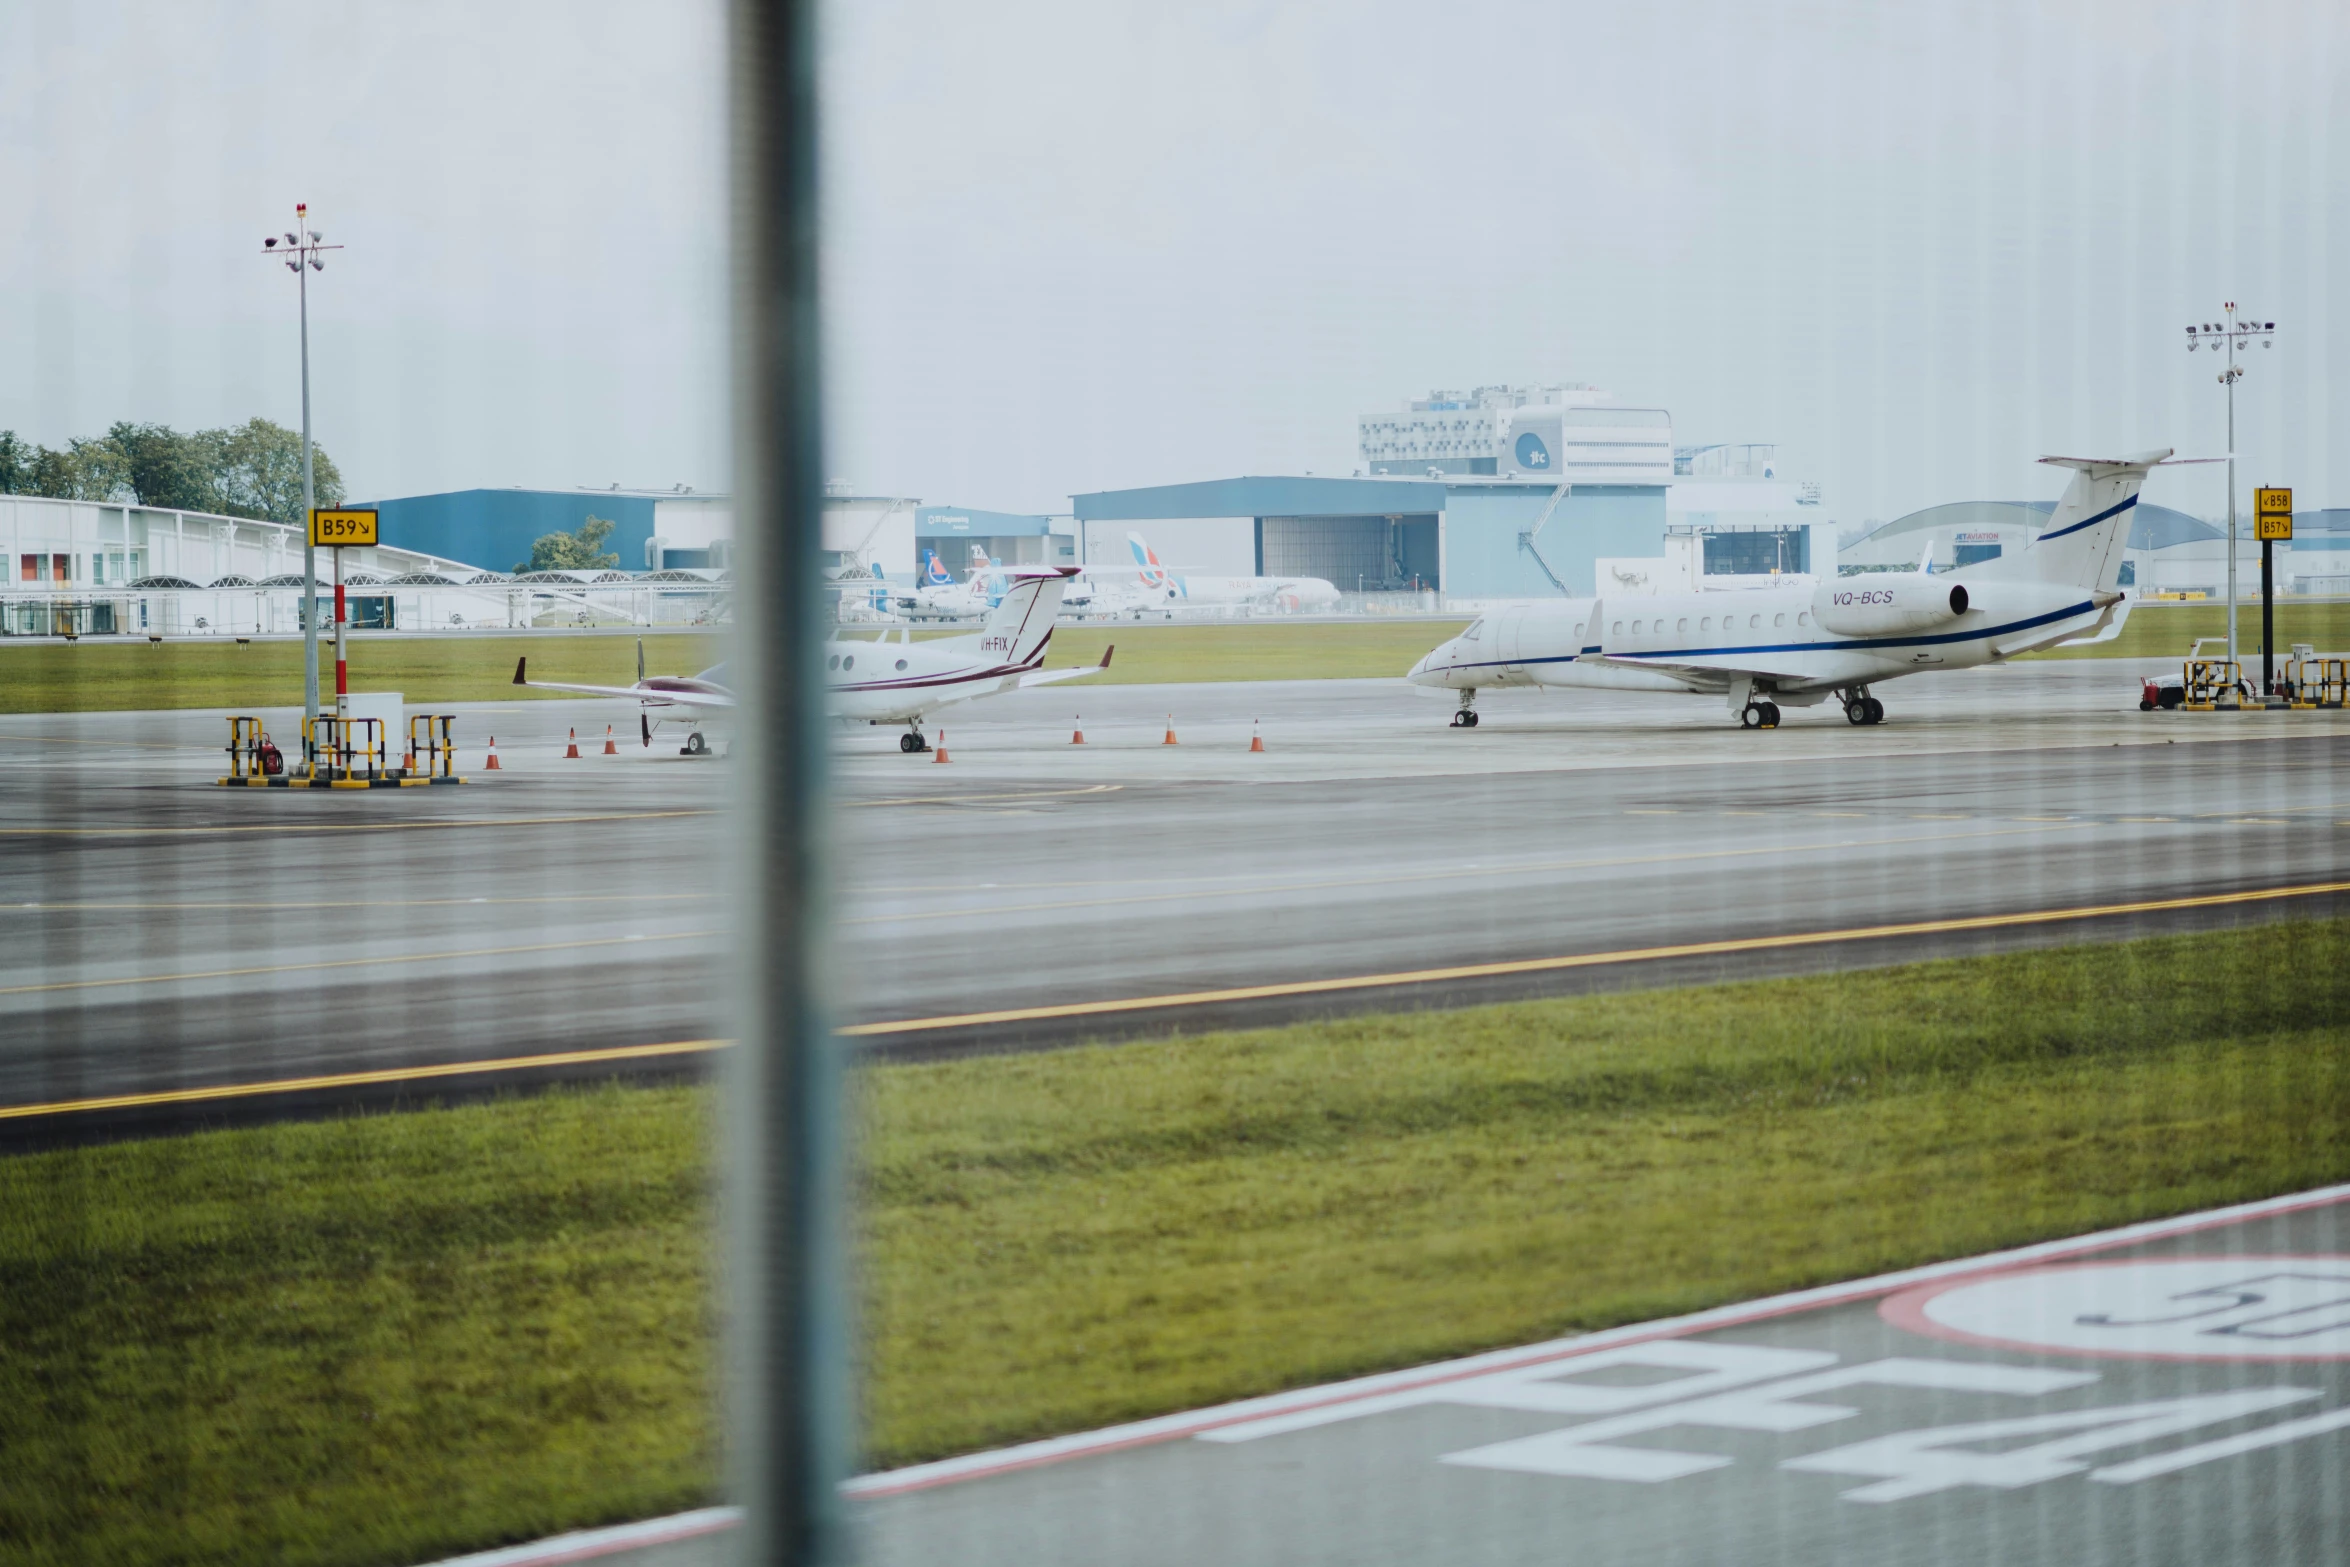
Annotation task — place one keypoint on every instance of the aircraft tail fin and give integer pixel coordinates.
(1146, 562)
(1021, 625)
(2082, 544)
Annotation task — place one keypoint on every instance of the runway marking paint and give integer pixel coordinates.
(1692, 949)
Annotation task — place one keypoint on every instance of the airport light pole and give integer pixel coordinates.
(2230, 333)
(303, 254)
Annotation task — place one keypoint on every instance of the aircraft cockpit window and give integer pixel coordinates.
(1476, 629)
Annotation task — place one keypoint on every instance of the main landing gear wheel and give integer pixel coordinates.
(1466, 718)
(695, 745)
(1759, 715)
(1864, 710)
(912, 741)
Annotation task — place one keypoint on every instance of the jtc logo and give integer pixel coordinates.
(1531, 452)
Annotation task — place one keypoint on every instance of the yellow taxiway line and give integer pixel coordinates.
(1182, 999)
(1693, 949)
(396, 1074)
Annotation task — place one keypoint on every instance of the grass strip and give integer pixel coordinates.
(380, 1339)
(2163, 630)
(97, 675)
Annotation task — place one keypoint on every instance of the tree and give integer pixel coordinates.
(572, 551)
(253, 470)
(168, 469)
(261, 472)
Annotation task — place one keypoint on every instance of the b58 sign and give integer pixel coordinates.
(342, 528)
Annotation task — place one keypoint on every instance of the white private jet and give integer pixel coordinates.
(1761, 647)
(881, 682)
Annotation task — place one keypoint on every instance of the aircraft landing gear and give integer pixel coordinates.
(913, 741)
(1465, 716)
(1759, 715)
(695, 745)
(1862, 708)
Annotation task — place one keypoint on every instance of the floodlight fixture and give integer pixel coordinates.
(2235, 329)
(296, 253)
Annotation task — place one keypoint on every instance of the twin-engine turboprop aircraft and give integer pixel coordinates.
(883, 682)
(1758, 648)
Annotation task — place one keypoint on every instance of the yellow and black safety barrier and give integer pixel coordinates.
(349, 754)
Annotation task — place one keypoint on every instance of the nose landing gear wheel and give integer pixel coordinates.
(695, 745)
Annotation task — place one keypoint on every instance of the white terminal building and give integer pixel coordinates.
(101, 568)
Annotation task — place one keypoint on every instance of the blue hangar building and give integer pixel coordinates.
(1570, 486)
(653, 530)
(1466, 536)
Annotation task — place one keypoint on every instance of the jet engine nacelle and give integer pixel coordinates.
(1864, 606)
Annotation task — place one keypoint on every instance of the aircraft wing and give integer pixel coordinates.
(639, 693)
(1052, 676)
(1710, 666)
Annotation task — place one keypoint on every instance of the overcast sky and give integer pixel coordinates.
(1083, 246)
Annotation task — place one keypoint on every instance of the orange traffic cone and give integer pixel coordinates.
(939, 751)
(1256, 742)
(491, 765)
(1170, 740)
(571, 749)
(609, 748)
(1079, 737)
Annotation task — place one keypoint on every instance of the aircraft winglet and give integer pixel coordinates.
(1106, 652)
(518, 663)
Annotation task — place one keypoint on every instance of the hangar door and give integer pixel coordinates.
(1354, 554)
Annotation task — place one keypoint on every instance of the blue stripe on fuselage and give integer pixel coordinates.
(1849, 645)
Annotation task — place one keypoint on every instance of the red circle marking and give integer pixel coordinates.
(1907, 1310)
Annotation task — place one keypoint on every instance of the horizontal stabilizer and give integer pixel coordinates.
(2153, 459)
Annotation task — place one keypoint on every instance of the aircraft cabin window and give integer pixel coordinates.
(832, 662)
(1682, 624)
(1619, 628)
(901, 663)
(1707, 624)
(1778, 620)
(849, 662)
(1803, 618)
(1754, 622)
